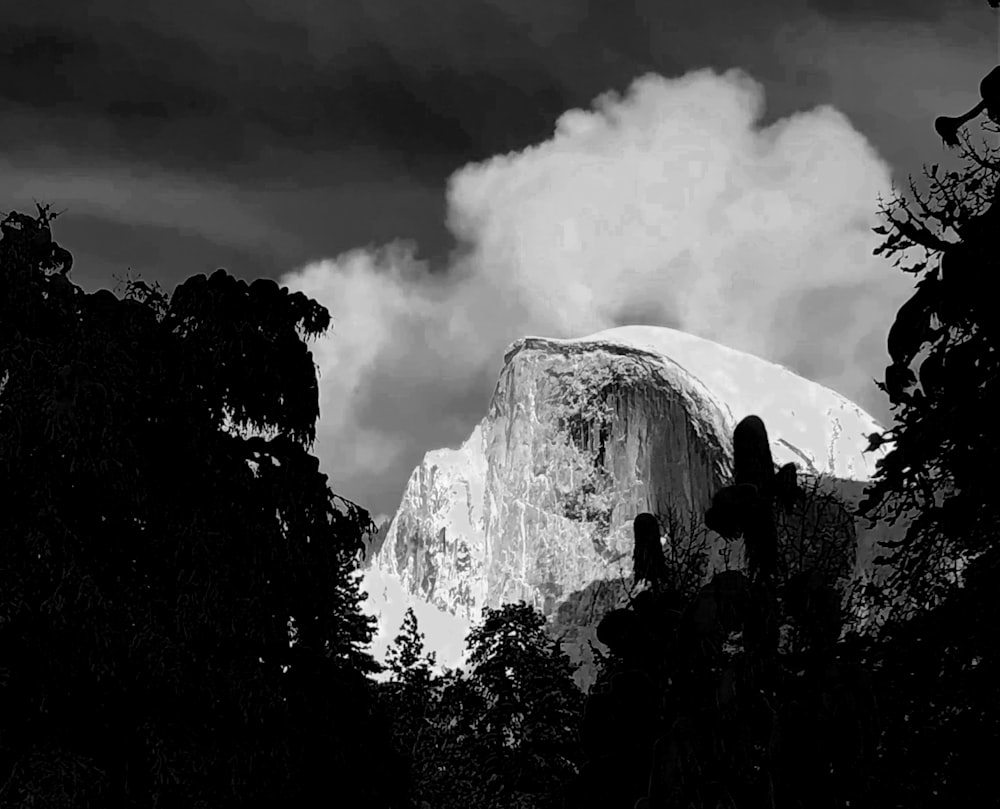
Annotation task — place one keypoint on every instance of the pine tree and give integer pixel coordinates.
(405, 658)
(527, 733)
(407, 697)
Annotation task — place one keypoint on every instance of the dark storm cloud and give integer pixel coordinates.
(211, 86)
(208, 91)
(265, 135)
(867, 10)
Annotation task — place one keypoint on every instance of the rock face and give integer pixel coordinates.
(581, 436)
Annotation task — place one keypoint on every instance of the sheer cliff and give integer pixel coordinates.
(581, 435)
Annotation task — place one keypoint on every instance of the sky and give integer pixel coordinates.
(447, 176)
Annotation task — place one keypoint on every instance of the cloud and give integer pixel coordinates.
(669, 201)
(143, 196)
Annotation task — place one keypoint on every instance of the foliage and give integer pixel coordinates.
(447, 759)
(407, 699)
(501, 735)
(178, 622)
(698, 704)
(935, 680)
(816, 533)
(685, 549)
(526, 733)
(935, 659)
(405, 658)
(945, 425)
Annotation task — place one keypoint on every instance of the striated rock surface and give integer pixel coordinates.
(582, 435)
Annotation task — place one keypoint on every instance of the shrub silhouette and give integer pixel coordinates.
(700, 705)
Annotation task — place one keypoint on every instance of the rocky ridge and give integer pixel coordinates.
(581, 435)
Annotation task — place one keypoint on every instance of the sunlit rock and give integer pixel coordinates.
(581, 436)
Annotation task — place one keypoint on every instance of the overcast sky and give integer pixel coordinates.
(449, 175)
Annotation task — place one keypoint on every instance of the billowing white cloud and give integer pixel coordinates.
(666, 205)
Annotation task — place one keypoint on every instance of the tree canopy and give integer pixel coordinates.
(942, 381)
(935, 661)
(178, 622)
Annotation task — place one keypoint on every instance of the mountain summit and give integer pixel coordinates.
(584, 434)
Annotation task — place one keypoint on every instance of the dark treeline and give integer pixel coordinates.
(180, 627)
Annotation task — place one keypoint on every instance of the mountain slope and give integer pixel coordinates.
(582, 435)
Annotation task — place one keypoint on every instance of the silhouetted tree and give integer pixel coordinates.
(935, 661)
(945, 424)
(448, 758)
(502, 734)
(989, 91)
(408, 700)
(648, 562)
(527, 733)
(685, 549)
(178, 621)
(745, 508)
(698, 705)
(406, 658)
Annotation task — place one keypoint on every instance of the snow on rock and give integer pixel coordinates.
(813, 426)
(581, 435)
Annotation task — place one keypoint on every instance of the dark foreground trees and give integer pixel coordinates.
(907, 717)
(503, 735)
(738, 695)
(527, 732)
(153, 564)
(936, 663)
